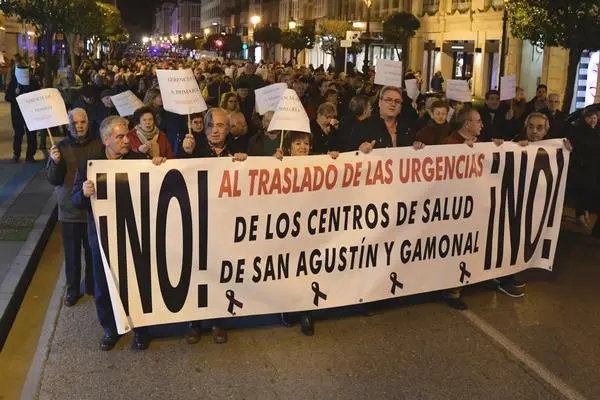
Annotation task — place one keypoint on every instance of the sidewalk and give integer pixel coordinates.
(27, 215)
(542, 346)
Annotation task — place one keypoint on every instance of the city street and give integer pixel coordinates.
(541, 346)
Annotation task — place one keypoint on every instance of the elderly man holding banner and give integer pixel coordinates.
(113, 132)
(217, 128)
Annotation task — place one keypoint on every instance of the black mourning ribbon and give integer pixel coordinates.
(464, 272)
(395, 283)
(318, 293)
(232, 301)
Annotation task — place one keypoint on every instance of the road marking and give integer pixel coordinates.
(538, 368)
(29, 332)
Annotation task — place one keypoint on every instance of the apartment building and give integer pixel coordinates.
(178, 18)
(460, 38)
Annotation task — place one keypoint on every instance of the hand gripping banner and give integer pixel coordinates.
(212, 238)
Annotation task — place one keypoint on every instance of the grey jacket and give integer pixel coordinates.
(62, 175)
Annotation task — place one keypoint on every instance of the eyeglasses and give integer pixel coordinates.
(392, 101)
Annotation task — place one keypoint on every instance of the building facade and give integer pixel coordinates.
(16, 38)
(178, 18)
(460, 38)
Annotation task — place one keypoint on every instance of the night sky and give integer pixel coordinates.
(138, 14)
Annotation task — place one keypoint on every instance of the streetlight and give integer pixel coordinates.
(366, 37)
(292, 24)
(145, 39)
(188, 35)
(255, 20)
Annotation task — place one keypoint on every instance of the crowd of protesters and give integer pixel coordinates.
(347, 112)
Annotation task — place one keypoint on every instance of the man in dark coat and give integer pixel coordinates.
(65, 158)
(385, 129)
(556, 118)
(497, 119)
(14, 90)
(113, 131)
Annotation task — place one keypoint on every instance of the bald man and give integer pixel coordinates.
(238, 133)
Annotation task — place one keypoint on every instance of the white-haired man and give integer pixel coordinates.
(61, 167)
(113, 132)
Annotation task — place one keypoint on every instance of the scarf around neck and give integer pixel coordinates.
(144, 136)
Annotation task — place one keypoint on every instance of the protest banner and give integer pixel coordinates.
(268, 97)
(180, 92)
(388, 73)
(508, 87)
(458, 89)
(126, 103)
(210, 238)
(412, 89)
(43, 109)
(22, 75)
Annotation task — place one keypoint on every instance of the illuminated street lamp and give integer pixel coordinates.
(292, 24)
(255, 20)
(145, 39)
(188, 35)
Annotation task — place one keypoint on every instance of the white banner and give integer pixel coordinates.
(180, 92)
(126, 103)
(268, 97)
(43, 109)
(388, 73)
(458, 89)
(212, 238)
(508, 87)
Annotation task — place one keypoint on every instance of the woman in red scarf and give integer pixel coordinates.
(145, 136)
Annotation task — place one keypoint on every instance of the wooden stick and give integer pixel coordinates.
(189, 124)
(281, 140)
(50, 136)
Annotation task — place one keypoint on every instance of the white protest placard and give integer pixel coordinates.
(388, 73)
(508, 87)
(353, 36)
(290, 114)
(126, 103)
(345, 43)
(43, 109)
(22, 75)
(307, 233)
(412, 88)
(268, 97)
(180, 92)
(458, 89)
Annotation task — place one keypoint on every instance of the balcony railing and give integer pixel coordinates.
(431, 7)
(461, 5)
(495, 4)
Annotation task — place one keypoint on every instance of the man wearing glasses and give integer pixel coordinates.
(388, 129)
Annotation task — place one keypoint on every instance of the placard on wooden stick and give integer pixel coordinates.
(180, 92)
